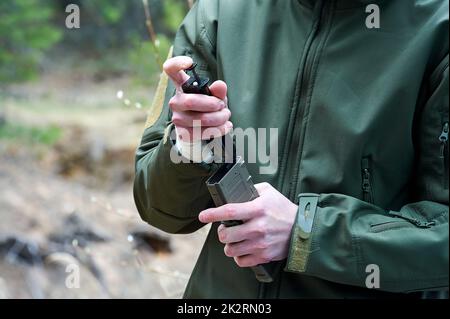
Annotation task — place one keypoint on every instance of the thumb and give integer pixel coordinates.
(219, 89)
(262, 187)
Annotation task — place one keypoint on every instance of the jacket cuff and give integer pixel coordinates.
(302, 233)
(196, 151)
(174, 154)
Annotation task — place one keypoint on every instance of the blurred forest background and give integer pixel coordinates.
(73, 103)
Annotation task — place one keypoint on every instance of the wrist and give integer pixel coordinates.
(196, 151)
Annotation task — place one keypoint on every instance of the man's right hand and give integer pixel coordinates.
(211, 112)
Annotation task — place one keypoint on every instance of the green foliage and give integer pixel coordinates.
(143, 59)
(174, 12)
(25, 33)
(112, 34)
(143, 65)
(34, 135)
(109, 12)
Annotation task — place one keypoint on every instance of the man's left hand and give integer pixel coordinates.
(265, 234)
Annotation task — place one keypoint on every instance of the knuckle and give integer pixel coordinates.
(253, 247)
(173, 102)
(222, 236)
(167, 64)
(188, 101)
(227, 113)
(221, 227)
(178, 119)
(258, 208)
(260, 227)
(219, 105)
(228, 251)
(230, 212)
(205, 119)
(262, 245)
(256, 231)
(226, 128)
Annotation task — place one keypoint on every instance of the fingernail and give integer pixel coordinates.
(188, 61)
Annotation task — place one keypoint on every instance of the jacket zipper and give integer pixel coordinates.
(302, 94)
(366, 180)
(295, 129)
(292, 138)
(378, 228)
(443, 138)
(418, 223)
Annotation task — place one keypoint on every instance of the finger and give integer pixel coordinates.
(195, 102)
(174, 68)
(240, 211)
(195, 119)
(219, 89)
(218, 131)
(248, 261)
(262, 187)
(220, 228)
(185, 133)
(247, 247)
(190, 134)
(239, 233)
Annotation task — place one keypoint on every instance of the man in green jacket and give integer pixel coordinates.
(357, 204)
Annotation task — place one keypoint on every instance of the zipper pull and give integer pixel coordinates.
(366, 181)
(420, 224)
(415, 221)
(444, 139)
(366, 175)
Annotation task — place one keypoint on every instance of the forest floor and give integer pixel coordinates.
(66, 204)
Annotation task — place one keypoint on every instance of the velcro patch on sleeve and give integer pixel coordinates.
(158, 101)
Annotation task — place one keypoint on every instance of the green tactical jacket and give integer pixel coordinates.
(362, 115)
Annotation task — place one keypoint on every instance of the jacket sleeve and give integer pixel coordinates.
(170, 196)
(349, 240)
